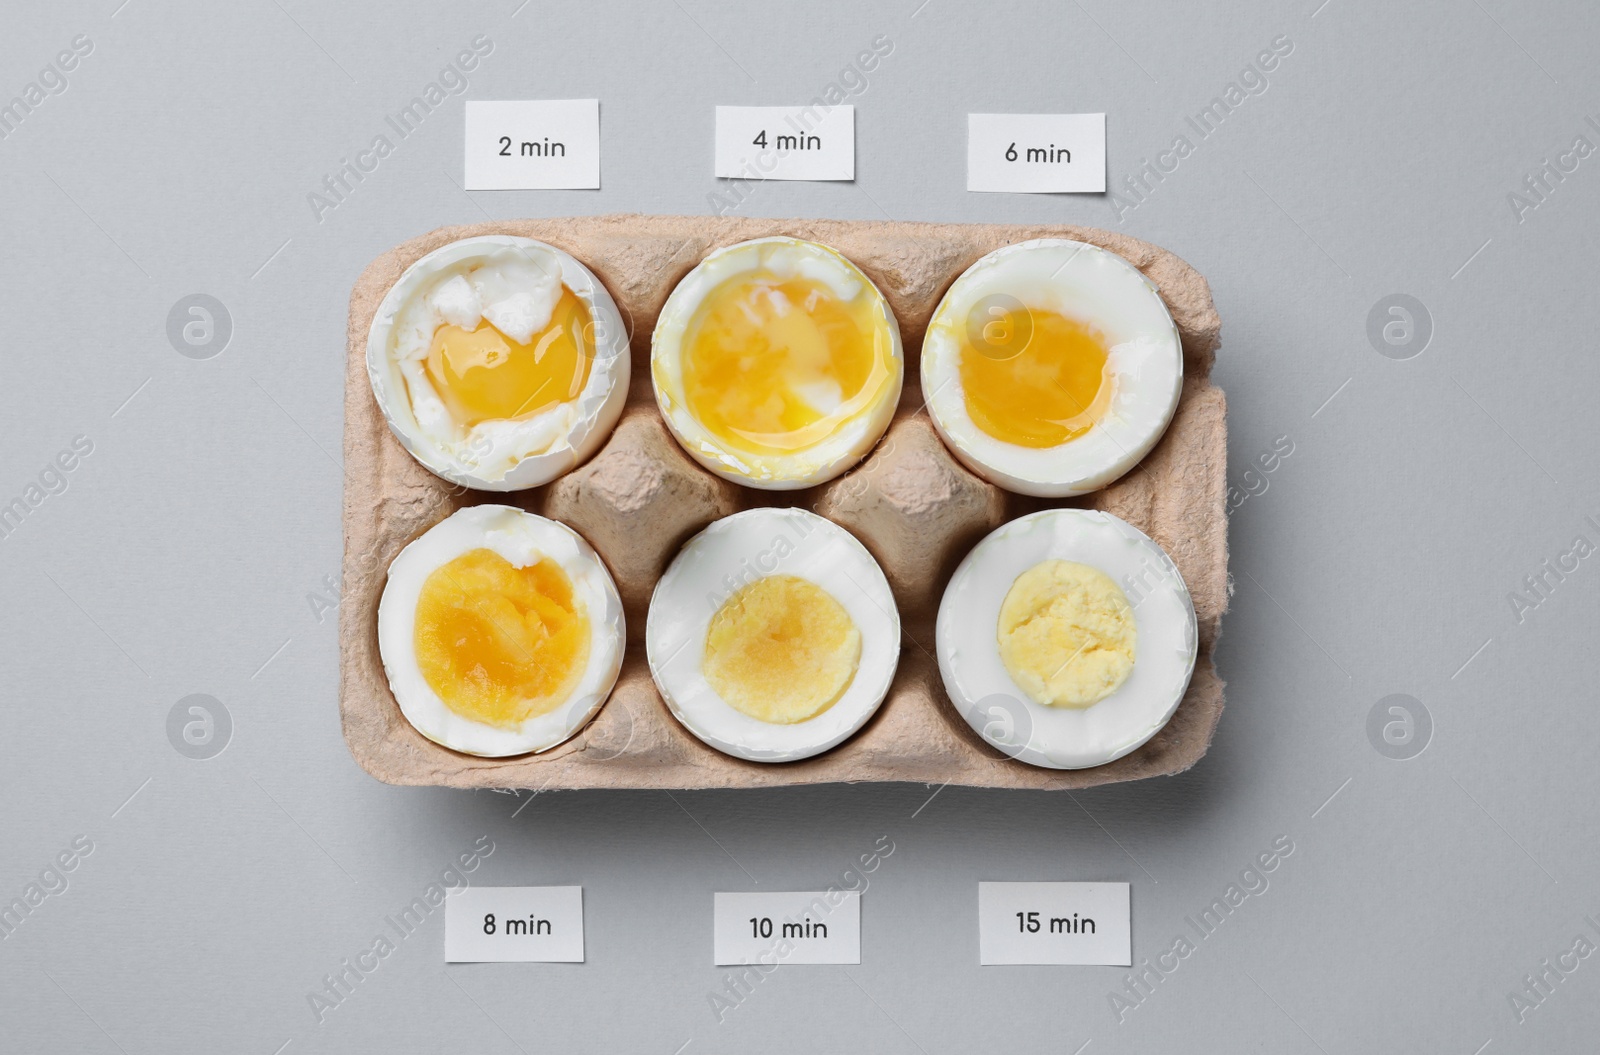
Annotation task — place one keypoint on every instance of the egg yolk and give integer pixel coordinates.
(782, 650)
(775, 365)
(497, 643)
(1067, 634)
(481, 374)
(1038, 380)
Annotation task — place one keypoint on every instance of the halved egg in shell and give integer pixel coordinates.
(1051, 367)
(501, 632)
(773, 636)
(1066, 638)
(499, 362)
(777, 363)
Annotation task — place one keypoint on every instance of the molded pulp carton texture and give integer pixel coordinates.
(909, 501)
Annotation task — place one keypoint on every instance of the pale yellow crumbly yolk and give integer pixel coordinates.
(781, 649)
(482, 374)
(1038, 381)
(500, 644)
(772, 366)
(1067, 634)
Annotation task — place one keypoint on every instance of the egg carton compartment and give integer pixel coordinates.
(909, 501)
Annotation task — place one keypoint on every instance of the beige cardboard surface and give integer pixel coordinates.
(909, 501)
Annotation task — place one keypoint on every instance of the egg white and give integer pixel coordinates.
(522, 539)
(785, 258)
(983, 691)
(1076, 280)
(731, 553)
(514, 283)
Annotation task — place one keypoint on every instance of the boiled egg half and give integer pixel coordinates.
(1051, 367)
(1066, 638)
(777, 363)
(501, 632)
(773, 635)
(499, 362)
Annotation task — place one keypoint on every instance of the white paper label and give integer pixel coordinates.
(1055, 923)
(813, 926)
(541, 144)
(514, 924)
(1037, 153)
(786, 142)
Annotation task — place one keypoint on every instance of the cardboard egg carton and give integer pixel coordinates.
(913, 505)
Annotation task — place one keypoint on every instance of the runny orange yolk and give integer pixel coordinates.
(775, 365)
(482, 374)
(1035, 381)
(500, 644)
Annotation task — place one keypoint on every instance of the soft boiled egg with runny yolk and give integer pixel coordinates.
(499, 362)
(773, 635)
(501, 632)
(777, 363)
(1066, 638)
(1051, 367)
(481, 374)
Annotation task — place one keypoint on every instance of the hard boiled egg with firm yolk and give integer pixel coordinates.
(773, 635)
(1051, 367)
(777, 363)
(499, 362)
(1066, 638)
(501, 632)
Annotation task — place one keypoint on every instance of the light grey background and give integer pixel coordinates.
(1379, 559)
